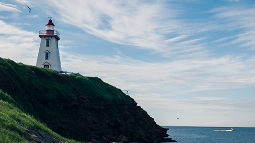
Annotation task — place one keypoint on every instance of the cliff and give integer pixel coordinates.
(74, 106)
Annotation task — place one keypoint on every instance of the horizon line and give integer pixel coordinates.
(210, 126)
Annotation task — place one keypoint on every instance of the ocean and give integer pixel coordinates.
(187, 134)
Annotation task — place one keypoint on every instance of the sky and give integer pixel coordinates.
(186, 59)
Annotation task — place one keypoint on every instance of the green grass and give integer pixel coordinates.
(30, 78)
(28, 84)
(12, 118)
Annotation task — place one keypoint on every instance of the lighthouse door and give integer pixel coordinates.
(46, 66)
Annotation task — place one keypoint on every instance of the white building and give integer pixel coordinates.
(48, 56)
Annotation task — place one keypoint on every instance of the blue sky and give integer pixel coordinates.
(187, 59)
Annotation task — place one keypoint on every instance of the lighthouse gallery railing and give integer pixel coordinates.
(53, 33)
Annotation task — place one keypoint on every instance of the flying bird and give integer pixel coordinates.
(29, 9)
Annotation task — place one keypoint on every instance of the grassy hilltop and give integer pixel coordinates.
(35, 100)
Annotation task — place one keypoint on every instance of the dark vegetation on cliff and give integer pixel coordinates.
(74, 106)
(17, 126)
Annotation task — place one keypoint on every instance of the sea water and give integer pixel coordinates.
(184, 134)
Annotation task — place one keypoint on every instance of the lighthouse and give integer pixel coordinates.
(48, 56)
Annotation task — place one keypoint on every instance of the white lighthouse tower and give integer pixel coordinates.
(48, 56)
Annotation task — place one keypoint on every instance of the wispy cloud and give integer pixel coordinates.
(152, 26)
(142, 24)
(237, 19)
(117, 21)
(18, 44)
(8, 7)
(24, 2)
(167, 78)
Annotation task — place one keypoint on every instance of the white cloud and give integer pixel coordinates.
(167, 78)
(24, 2)
(142, 24)
(32, 16)
(236, 18)
(209, 98)
(18, 44)
(153, 26)
(8, 7)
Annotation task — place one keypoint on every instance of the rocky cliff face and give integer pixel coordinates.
(105, 122)
(78, 107)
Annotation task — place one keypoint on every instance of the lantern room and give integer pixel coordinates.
(49, 30)
(50, 25)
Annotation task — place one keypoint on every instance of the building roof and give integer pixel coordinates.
(49, 23)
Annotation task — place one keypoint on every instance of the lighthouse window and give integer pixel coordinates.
(46, 56)
(47, 42)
